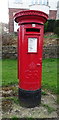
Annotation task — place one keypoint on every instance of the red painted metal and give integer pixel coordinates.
(30, 63)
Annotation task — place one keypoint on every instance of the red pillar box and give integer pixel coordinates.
(30, 44)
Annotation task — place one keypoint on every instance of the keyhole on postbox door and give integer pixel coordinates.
(38, 64)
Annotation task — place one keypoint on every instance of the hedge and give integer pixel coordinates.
(52, 26)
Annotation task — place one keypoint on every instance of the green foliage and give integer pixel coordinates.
(45, 26)
(56, 23)
(58, 77)
(56, 31)
(30, 118)
(52, 26)
(51, 36)
(15, 100)
(50, 109)
(15, 118)
(44, 93)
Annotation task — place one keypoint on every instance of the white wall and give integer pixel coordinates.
(43, 8)
(24, 4)
(57, 17)
(15, 26)
(14, 4)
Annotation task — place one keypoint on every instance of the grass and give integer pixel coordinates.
(43, 93)
(14, 99)
(0, 72)
(50, 109)
(49, 73)
(51, 36)
(15, 118)
(9, 72)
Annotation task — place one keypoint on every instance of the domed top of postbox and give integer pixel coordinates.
(30, 16)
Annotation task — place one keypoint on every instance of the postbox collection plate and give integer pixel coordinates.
(32, 45)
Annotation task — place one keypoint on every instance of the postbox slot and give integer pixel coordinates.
(32, 30)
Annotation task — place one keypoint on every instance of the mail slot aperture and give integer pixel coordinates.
(32, 30)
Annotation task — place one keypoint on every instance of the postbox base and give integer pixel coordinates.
(29, 98)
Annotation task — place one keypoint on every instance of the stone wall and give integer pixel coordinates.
(9, 52)
(50, 51)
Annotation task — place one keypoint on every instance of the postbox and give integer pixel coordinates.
(30, 45)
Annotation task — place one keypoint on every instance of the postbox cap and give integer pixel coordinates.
(30, 16)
